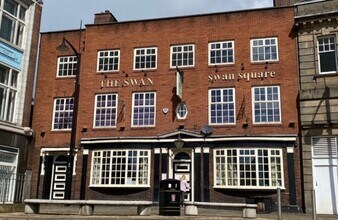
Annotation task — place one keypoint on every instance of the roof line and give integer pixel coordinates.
(193, 15)
(187, 140)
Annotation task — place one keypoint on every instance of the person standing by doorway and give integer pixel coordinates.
(184, 188)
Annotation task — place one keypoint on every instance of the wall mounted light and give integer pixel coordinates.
(105, 75)
(266, 65)
(178, 142)
(216, 69)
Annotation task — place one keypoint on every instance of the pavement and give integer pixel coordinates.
(211, 215)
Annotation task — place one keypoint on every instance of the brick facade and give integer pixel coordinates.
(240, 27)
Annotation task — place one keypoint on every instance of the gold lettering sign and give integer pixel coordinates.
(241, 76)
(115, 83)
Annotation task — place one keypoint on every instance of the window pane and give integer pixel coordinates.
(11, 28)
(7, 28)
(22, 14)
(327, 62)
(181, 111)
(8, 169)
(108, 61)
(248, 168)
(8, 93)
(266, 104)
(221, 106)
(327, 54)
(63, 113)
(264, 49)
(182, 55)
(106, 110)
(145, 58)
(11, 7)
(144, 109)
(120, 167)
(67, 66)
(221, 53)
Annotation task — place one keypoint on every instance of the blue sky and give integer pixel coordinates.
(60, 15)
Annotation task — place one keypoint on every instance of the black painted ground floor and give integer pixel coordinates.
(218, 168)
(14, 144)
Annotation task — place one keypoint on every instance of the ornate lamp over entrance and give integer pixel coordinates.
(179, 142)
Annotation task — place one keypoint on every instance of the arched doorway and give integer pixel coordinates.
(58, 185)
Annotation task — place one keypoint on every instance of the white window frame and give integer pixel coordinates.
(145, 53)
(184, 51)
(18, 22)
(104, 108)
(228, 173)
(9, 177)
(109, 58)
(143, 106)
(222, 102)
(8, 86)
(325, 49)
(262, 43)
(97, 173)
(68, 111)
(222, 47)
(266, 102)
(67, 66)
(181, 110)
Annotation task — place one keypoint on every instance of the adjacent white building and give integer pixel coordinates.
(19, 34)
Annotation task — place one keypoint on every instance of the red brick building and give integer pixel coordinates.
(212, 97)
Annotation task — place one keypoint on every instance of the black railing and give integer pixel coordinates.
(11, 187)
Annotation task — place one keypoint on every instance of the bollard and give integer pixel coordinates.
(279, 203)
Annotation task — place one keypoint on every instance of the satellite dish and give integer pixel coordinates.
(206, 129)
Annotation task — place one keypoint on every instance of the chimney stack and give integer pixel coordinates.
(104, 18)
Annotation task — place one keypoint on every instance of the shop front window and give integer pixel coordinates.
(8, 167)
(248, 168)
(120, 168)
